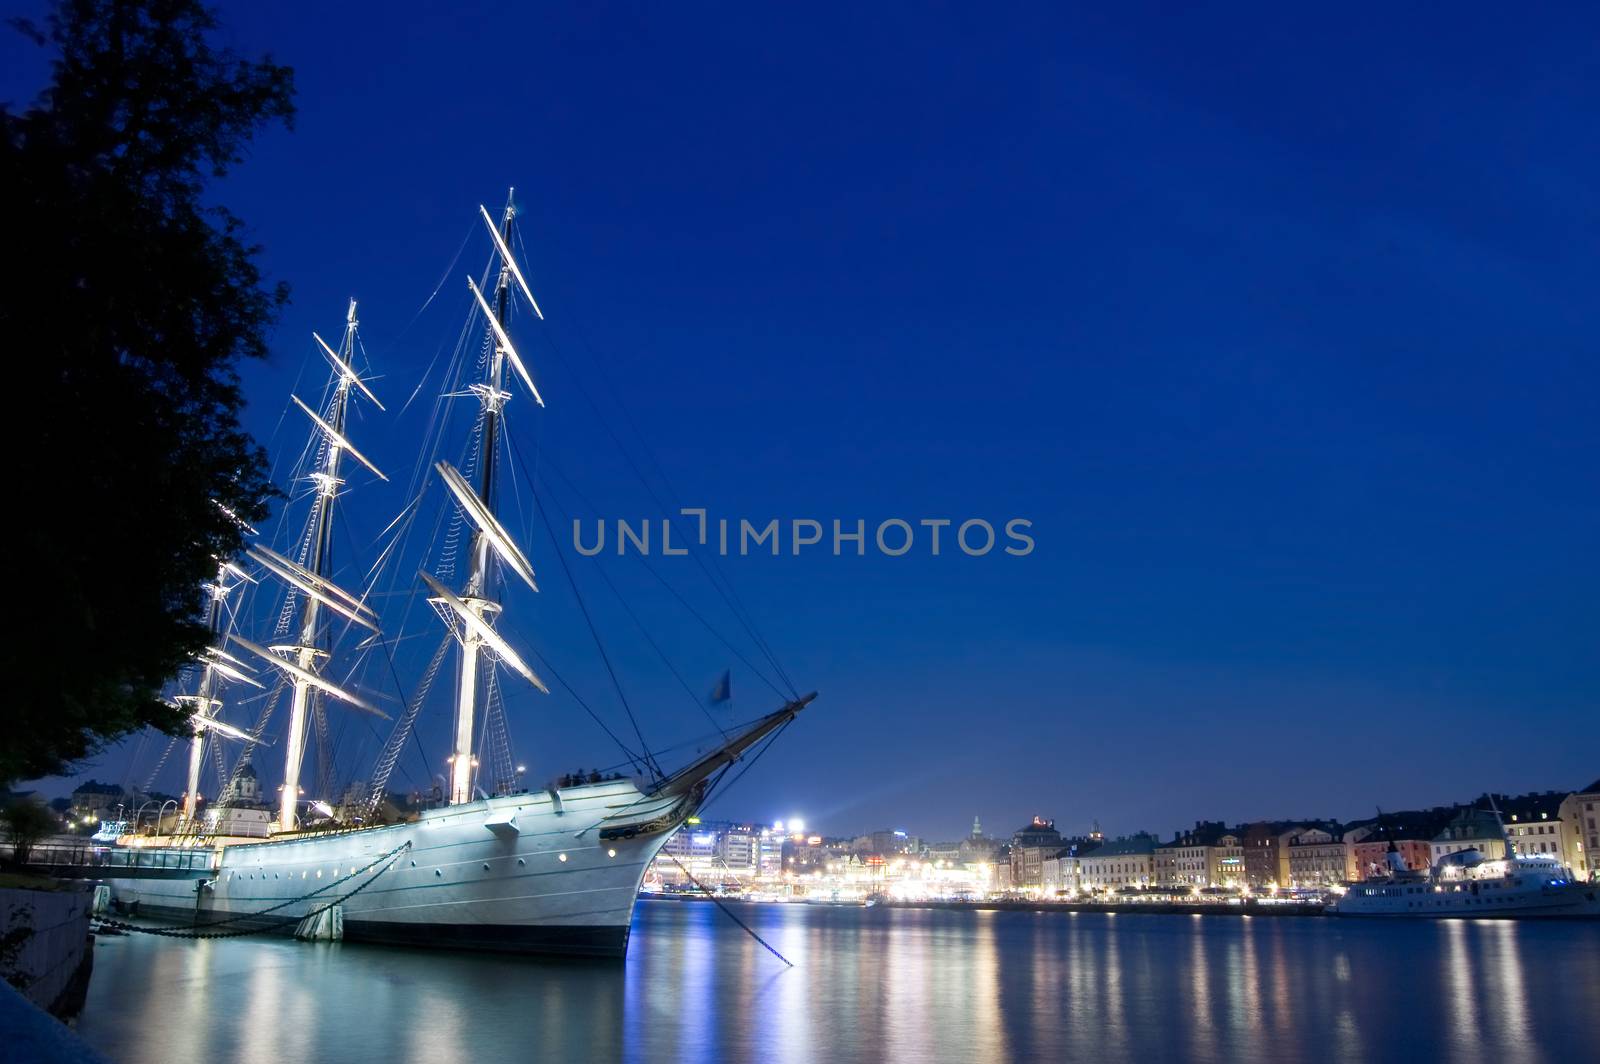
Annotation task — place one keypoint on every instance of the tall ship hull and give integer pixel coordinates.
(543, 873)
(552, 872)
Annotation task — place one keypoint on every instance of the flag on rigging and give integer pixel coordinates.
(723, 691)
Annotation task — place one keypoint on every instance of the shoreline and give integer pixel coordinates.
(1251, 908)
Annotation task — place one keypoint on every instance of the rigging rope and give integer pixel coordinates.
(403, 727)
(151, 782)
(724, 588)
(696, 614)
(639, 624)
(634, 760)
(584, 607)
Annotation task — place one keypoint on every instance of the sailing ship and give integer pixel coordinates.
(550, 871)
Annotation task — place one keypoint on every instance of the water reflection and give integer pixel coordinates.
(874, 985)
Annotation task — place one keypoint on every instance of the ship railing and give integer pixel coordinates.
(89, 854)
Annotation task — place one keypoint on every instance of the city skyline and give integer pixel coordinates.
(1296, 386)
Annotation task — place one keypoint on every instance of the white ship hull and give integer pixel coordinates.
(1519, 895)
(527, 873)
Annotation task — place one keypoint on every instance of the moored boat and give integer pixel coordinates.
(1468, 883)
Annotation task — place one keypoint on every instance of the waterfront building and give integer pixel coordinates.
(94, 801)
(1121, 863)
(692, 850)
(1318, 857)
(1580, 815)
(978, 848)
(1412, 833)
(769, 853)
(814, 854)
(1266, 853)
(885, 843)
(1062, 871)
(1471, 829)
(720, 854)
(1166, 864)
(1209, 855)
(735, 847)
(244, 788)
(1030, 845)
(1053, 884)
(1535, 825)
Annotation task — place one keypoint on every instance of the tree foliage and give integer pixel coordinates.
(126, 304)
(25, 823)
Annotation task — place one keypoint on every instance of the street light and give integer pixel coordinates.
(161, 812)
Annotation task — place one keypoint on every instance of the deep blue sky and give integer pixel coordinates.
(1280, 328)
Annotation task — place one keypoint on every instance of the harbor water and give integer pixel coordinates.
(877, 984)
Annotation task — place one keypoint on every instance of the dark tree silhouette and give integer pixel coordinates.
(25, 822)
(126, 303)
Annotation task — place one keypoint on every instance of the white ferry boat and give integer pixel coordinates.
(1465, 883)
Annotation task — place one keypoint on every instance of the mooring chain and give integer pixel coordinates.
(729, 912)
(204, 931)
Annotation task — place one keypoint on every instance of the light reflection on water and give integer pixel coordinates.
(877, 985)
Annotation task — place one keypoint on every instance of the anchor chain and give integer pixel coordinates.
(729, 912)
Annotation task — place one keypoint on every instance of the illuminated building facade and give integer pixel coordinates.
(1471, 829)
(1411, 831)
(1580, 818)
(1119, 864)
(1536, 826)
(1266, 853)
(1063, 871)
(1211, 854)
(1318, 857)
(1030, 845)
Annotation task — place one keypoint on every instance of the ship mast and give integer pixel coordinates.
(204, 700)
(476, 606)
(300, 661)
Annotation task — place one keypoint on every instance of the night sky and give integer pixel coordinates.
(1279, 328)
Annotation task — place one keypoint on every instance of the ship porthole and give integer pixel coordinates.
(561, 857)
(413, 864)
(319, 873)
(521, 863)
(485, 868)
(437, 872)
(611, 853)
